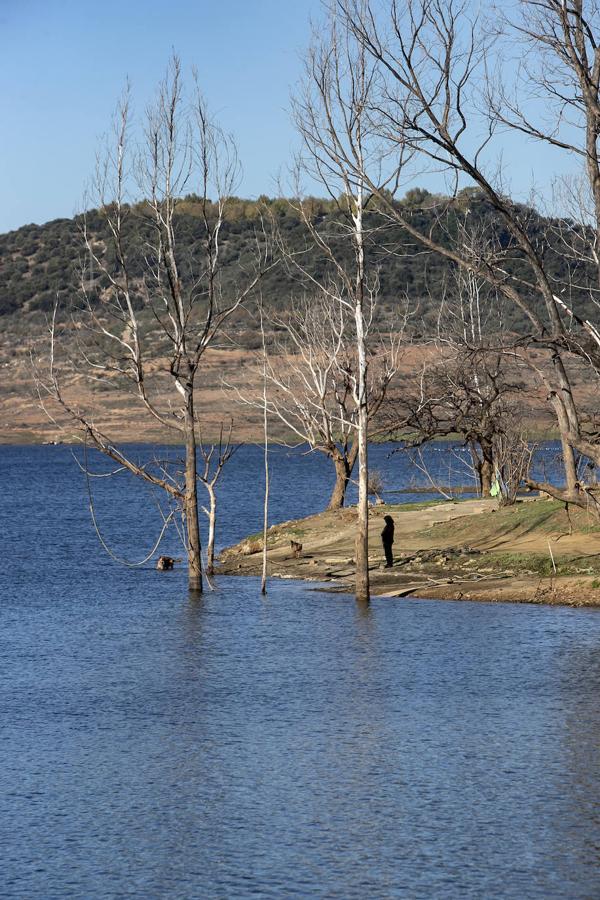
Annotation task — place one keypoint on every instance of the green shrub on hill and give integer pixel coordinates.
(39, 262)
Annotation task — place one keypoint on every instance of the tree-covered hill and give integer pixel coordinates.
(39, 263)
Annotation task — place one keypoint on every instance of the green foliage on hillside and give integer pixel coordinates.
(39, 263)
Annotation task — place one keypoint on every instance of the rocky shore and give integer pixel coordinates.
(532, 552)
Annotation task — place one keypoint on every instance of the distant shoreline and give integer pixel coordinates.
(37, 440)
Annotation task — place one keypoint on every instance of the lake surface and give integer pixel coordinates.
(289, 746)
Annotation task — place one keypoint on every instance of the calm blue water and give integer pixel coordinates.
(293, 746)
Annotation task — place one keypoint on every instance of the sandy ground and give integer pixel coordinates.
(119, 415)
(468, 550)
(224, 373)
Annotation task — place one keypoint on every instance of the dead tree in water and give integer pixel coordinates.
(143, 329)
(215, 457)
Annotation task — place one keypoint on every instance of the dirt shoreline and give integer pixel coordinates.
(533, 552)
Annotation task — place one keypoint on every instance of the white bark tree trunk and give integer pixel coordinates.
(212, 519)
(191, 499)
(263, 587)
(362, 531)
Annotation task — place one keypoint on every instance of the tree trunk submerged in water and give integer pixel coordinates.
(194, 551)
(362, 532)
(212, 520)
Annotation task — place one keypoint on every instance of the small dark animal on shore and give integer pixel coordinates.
(296, 549)
(164, 563)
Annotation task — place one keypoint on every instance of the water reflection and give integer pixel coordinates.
(363, 608)
(193, 611)
(195, 595)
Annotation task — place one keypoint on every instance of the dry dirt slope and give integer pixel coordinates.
(22, 420)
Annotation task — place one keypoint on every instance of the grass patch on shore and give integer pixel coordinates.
(541, 564)
(409, 507)
(544, 516)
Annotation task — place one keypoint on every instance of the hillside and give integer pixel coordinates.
(39, 263)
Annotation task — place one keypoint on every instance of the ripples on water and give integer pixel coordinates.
(293, 746)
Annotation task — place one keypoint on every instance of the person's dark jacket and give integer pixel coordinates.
(387, 535)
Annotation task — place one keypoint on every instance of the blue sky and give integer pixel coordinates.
(63, 64)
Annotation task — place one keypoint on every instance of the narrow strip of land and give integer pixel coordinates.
(533, 552)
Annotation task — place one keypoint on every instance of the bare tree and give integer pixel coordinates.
(215, 457)
(339, 147)
(513, 454)
(468, 384)
(145, 333)
(263, 584)
(469, 395)
(311, 372)
(434, 59)
(472, 385)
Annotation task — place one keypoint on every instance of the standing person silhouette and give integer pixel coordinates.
(387, 539)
